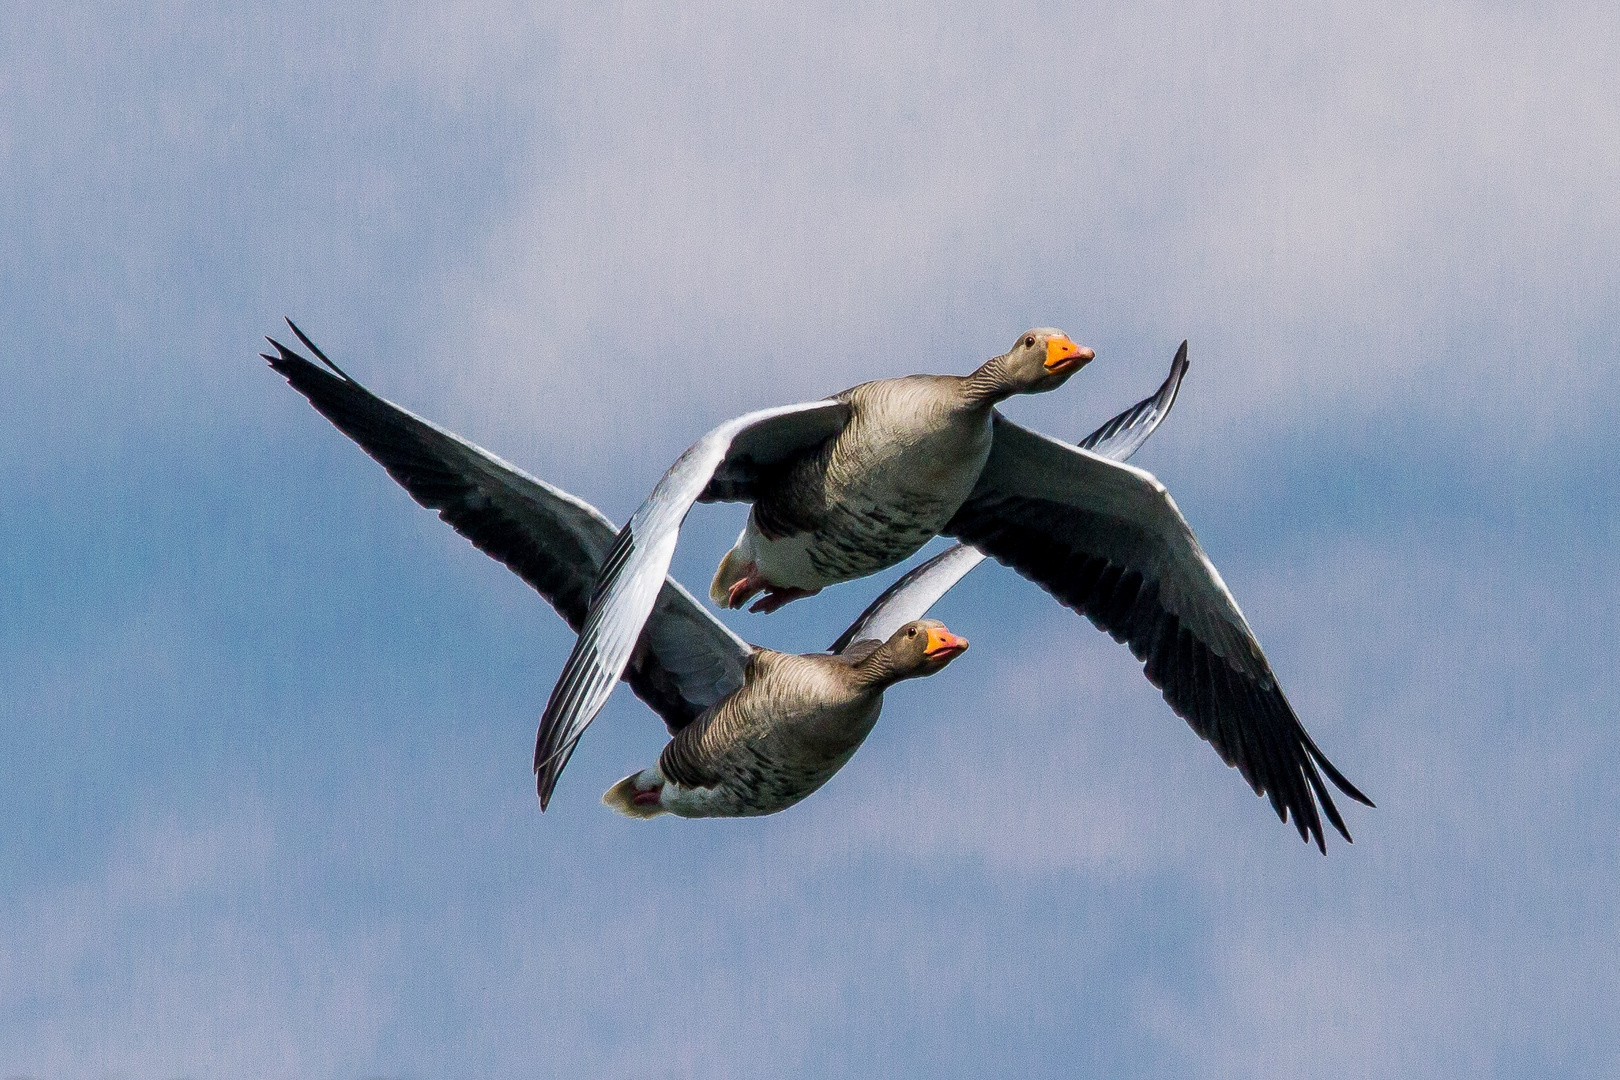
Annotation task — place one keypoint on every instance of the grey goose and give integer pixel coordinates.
(842, 486)
(794, 722)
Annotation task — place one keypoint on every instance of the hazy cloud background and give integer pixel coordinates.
(266, 794)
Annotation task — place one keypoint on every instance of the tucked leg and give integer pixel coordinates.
(775, 597)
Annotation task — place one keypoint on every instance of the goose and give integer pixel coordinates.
(846, 484)
(754, 731)
(908, 452)
(795, 721)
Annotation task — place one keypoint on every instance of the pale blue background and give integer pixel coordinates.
(265, 803)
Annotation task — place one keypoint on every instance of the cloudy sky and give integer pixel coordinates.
(265, 795)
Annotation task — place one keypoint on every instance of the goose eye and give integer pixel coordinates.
(1029, 342)
(912, 632)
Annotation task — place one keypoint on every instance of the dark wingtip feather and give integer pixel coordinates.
(285, 358)
(316, 349)
(1332, 811)
(543, 784)
(1336, 776)
(1323, 797)
(1172, 381)
(548, 769)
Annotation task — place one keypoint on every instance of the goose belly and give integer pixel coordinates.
(879, 513)
(762, 786)
(771, 772)
(869, 532)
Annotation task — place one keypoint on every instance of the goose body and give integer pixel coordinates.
(869, 498)
(910, 451)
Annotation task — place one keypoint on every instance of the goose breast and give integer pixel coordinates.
(883, 488)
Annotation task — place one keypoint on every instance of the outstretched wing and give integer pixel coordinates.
(634, 568)
(921, 588)
(1107, 540)
(686, 660)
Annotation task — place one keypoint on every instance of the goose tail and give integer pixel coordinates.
(638, 795)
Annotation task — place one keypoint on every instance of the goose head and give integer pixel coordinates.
(1042, 359)
(921, 648)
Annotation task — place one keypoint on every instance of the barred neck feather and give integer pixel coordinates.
(877, 670)
(990, 384)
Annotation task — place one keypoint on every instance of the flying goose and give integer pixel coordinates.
(754, 730)
(909, 451)
(777, 738)
(923, 585)
(847, 484)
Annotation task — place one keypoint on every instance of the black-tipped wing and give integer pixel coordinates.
(735, 451)
(1107, 540)
(921, 588)
(686, 659)
(1124, 435)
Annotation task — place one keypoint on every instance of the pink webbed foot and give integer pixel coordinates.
(647, 798)
(744, 588)
(775, 598)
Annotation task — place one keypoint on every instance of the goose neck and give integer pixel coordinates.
(877, 671)
(990, 384)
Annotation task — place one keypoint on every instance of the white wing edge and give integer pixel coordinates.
(741, 648)
(911, 597)
(1123, 435)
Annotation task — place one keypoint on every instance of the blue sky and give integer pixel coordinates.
(266, 795)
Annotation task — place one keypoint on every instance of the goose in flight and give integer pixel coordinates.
(839, 486)
(906, 454)
(754, 730)
(793, 723)
(686, 661)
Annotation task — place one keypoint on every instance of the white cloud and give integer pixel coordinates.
(732, 206)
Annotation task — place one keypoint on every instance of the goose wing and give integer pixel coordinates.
(1106, 539)
(909, 598)
(685, 661)
(726, 464)
(921, 588)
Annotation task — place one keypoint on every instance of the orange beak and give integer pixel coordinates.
(944, 645)
(1064, 356)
